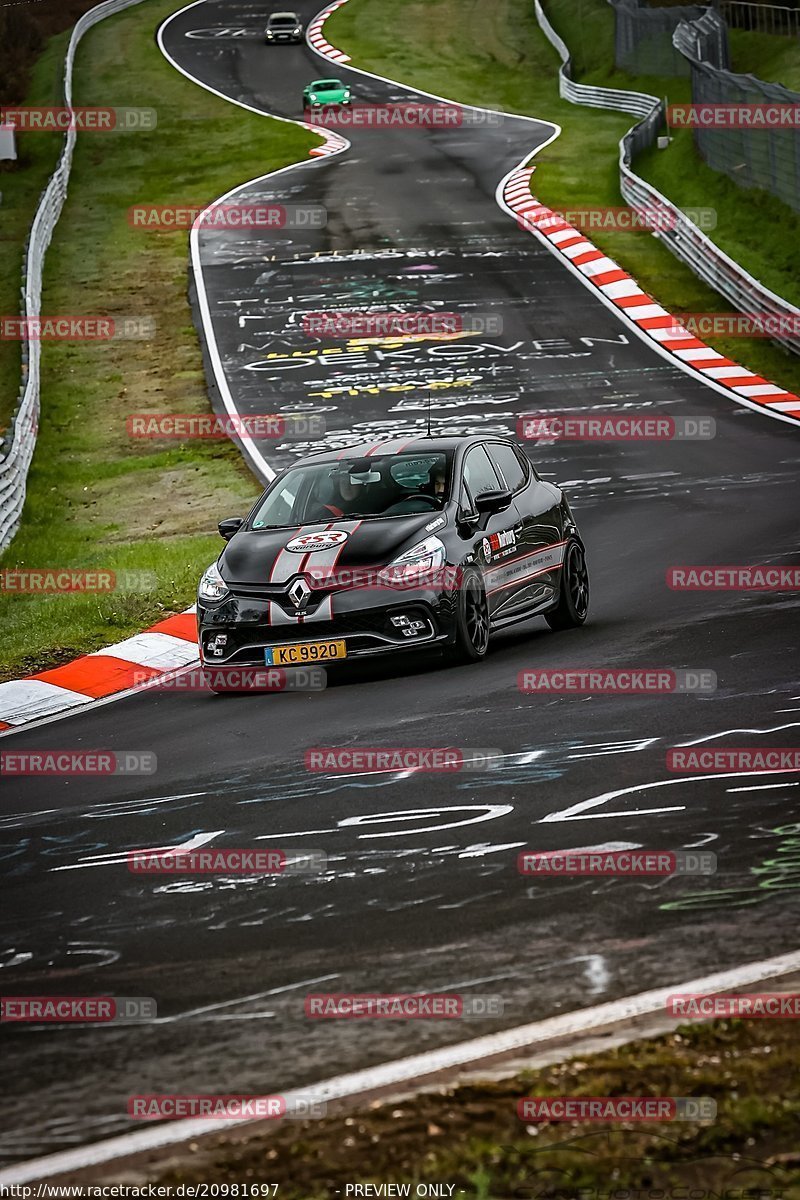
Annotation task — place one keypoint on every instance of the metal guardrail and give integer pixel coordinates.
(20, 439)
(684, 238)
(638, 103)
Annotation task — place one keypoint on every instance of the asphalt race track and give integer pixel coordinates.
(421, 892)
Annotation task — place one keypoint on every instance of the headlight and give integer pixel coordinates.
(298, 29)
(212, 586)
(270, 33)
(312, 96)
(416, 566)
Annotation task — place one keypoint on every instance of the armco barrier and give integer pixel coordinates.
(684, 238)
(20, 439)
(638, 103)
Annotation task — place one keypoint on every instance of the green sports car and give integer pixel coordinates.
(325, 91)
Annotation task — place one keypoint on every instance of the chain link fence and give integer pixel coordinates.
(776, 19)
(643, 42)
(761, 156)
(16, 449)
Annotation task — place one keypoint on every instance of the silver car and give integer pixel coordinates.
(283, 27)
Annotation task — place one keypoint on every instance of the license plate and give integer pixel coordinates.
(304, 652)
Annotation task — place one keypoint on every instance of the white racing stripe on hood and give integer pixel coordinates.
(288, 562)
(317, 564)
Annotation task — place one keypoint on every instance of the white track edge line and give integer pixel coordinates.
(406, 1070)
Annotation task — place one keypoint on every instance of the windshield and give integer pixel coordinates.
(290, 20)
(329, 85)
(379, 486)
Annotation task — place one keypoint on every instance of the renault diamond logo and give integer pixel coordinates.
(299, 593)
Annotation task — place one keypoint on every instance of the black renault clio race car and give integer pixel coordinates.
(389, 547)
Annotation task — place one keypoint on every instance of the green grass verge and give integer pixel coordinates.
(95, 498)
(495, 55)
(469, 1138)
(766, 55)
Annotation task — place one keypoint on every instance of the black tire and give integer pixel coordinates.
(573, 601)
(472, 620)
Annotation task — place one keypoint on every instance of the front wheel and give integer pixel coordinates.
(472, 620)
(573, 602)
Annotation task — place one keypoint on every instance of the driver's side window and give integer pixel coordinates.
(479, 477)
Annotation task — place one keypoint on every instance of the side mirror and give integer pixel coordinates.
(493, 502)
(230, 526)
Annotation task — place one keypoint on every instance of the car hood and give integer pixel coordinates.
(260, 556)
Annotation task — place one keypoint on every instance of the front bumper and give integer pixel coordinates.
(237, 629)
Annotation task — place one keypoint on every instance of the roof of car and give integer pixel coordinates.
(421, 445)
(291, 15)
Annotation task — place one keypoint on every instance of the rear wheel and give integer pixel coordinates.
(573, 602)
(472, 620)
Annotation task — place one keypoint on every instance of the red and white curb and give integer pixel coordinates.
(317, 40)
(334, 143)
(164, 647)
(621, 292)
